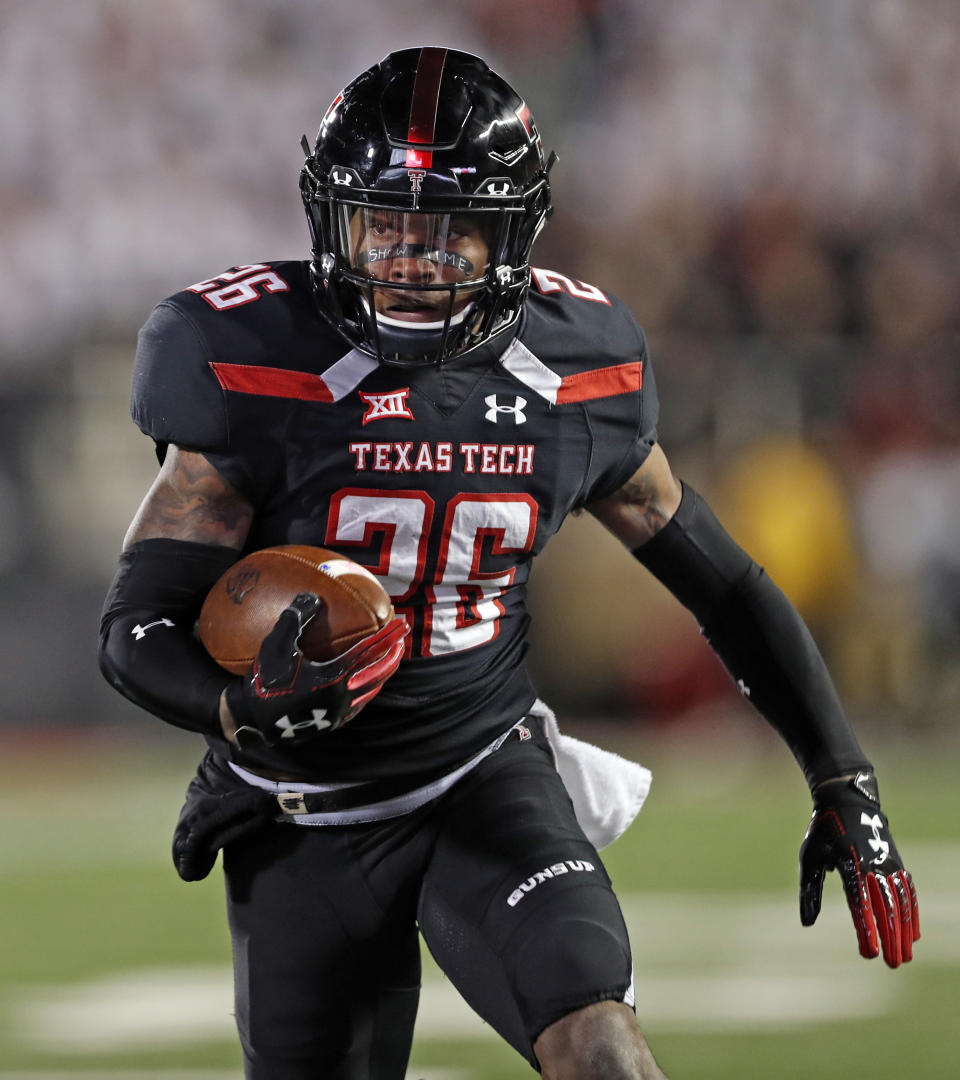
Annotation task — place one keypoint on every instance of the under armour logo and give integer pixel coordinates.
(140, 632)
(341, 176)
(381, 406)
(288, 729)
(879, 845)
(493, 188)
(515, 410)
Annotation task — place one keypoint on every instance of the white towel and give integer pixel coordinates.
(607, 790)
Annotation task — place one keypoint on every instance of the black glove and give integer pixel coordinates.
(288, 698)
(209, 821)
(849, 833)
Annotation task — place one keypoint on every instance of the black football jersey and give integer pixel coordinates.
(444, 481)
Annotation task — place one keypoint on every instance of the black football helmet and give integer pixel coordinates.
(424, 191)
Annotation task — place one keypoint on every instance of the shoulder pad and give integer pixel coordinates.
(260, 316)
(582, 347)
(175, 396)
(247, 309)
(588, 342)
(579, 326)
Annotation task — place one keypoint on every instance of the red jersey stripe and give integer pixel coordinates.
(271, 382)
(602, 382)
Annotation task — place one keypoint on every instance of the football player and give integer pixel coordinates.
(417, 396)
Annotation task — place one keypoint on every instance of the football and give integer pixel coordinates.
(243, 606)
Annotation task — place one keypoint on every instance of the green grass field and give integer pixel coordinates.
(112, 968)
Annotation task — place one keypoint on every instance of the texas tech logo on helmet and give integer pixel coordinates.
(387, 406)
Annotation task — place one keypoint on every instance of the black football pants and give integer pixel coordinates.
(509, 895)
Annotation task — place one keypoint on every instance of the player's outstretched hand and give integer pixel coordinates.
(849, 833)
(287, 698)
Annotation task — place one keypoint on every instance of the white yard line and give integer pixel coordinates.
(192, 1074)
(140, 1074)
(720, 961)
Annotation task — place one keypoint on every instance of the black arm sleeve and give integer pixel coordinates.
(147, 647)
(758, 635)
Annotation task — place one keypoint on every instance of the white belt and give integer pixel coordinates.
(377, 811)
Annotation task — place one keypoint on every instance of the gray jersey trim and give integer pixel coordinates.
(531, 371)
(348, 372)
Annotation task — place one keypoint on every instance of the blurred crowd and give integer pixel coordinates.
(773, 187)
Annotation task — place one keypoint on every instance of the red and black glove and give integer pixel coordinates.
(287, 698)
(849, 833)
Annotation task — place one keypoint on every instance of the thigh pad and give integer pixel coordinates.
(517, 907)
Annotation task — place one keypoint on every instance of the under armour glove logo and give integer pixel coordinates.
(288, 729)
(874, 822)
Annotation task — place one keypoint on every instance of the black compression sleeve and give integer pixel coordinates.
(147, 647)
(758, 635)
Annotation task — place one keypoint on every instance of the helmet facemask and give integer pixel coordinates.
(417, 275)
(415, 287)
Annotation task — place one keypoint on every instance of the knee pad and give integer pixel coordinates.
(570, 954)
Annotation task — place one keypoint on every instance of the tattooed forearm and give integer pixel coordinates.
(644, 504)
(640, 495)
(191, 501)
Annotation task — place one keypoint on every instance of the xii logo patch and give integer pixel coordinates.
(387, 406)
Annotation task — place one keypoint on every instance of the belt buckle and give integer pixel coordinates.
(292, 802)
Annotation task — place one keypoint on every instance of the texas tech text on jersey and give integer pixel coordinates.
(506, 459)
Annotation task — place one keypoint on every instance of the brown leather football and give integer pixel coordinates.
(243, 606)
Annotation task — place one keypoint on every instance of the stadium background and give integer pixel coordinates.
(775, 189)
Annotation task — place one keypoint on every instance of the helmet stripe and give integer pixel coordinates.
(423, 106)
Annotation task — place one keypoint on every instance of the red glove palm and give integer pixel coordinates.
(849, 833)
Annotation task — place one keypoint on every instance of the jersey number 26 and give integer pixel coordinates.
(462, 606)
